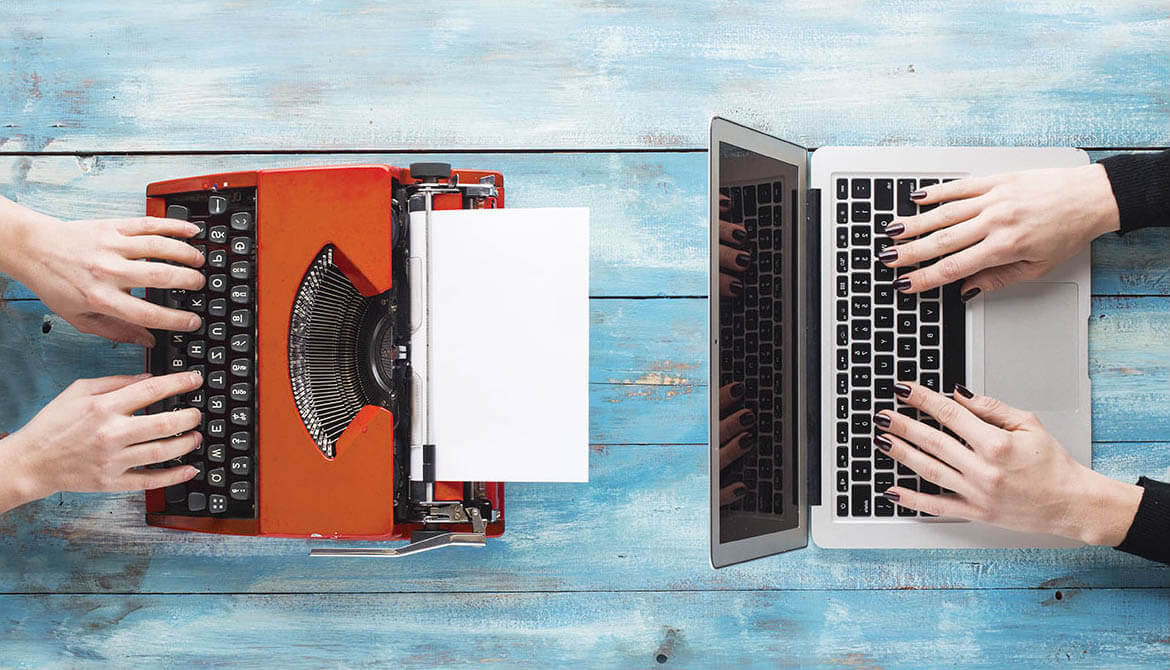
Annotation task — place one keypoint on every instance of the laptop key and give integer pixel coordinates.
(860, 188)
(860, 497)
(842, 505)
(906, 206)
(842, 189)
(883, 194)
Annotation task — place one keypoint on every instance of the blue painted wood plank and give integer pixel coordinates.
(649, 217)
(639, 524)
(125, 76)
(648, 367)
(1065, 627)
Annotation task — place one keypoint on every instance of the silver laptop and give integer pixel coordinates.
(807, 337)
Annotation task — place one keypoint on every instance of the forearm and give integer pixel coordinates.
(1141, 187)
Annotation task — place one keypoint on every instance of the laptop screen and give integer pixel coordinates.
(757, 345)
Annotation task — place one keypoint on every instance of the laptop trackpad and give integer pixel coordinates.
(1030, 339)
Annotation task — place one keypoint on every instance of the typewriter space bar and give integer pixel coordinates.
(436, 542)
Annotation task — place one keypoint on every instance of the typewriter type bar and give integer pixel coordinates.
(314, 353)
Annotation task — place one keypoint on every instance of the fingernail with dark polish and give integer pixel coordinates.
(964, 391)
(736, 389)
(888, 256)
(902, 283)
(736, 287)
(740, 490)
(901, 390)
(882, 442)
(738, 235)
(970, 294)
(742, 260)
(892, 495)
(918, 195)
(881, 420)
(895, 229)
(747, 419)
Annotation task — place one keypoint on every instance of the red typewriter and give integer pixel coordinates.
(310, 415)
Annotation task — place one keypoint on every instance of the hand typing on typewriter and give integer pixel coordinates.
(734, 438)
(998, 230)
(1011, 472)
(84, 270)
(733, 259)
(87, 439)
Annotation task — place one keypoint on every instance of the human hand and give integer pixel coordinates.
(733, 258)
(1011, 473)
(86, 439)
(84, 270)
(1002, 229)
(734, 439)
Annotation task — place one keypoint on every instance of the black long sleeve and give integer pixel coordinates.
(1149, 536)
(1141, 186)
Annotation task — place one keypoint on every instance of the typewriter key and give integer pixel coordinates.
(241, 246)
(196, 502)
(241, 440)
(217, 504)
(241, 465)
(216, 428)
(241, 221)
(216, 453)
(217, 204)
(217, 307)
(217, 477)
(217, 379)
(218, 235)
(217, 258)
(241, 490)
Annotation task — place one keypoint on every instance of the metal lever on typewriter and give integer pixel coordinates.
(476, 538)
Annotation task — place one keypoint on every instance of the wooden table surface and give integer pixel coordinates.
(603, 105)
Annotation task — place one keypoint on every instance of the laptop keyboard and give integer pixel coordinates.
(750, 350)
(882, 336)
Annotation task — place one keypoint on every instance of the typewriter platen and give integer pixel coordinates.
(312, 403)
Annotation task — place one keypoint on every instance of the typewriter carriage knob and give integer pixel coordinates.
(431, 172)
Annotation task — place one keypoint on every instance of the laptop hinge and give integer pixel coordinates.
(812, 341)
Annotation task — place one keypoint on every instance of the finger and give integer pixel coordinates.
(151, 390)
(143, 313)
(162, 248)
(992, 410)
(729, 286)
(113, 329)
(151, 427)
(733, 450)
(733, 259)
(729, 394)
(729, 494)
(141, 480)
(947, 412)
(732, 233)
(735, 424)
(938, 243)
(153, 225)
(161, 275)
(160, 451)
(954, 190)
(940, 217)
(944, 505)
(932, 441)
(1001, 276)
(99, 385)
(923, 464)
(950, 268)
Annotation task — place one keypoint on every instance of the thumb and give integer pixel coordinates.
(113, 329)
(998, 277)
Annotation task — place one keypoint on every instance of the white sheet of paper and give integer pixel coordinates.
(510, 344)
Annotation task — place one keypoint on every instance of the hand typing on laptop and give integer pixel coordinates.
(1010, 472)
(998, 230)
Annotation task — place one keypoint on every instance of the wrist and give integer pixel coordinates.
(18, 484)
(18, 226)
(1099, 195)
(1102, 509)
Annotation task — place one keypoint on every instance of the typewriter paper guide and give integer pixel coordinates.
(510, 344)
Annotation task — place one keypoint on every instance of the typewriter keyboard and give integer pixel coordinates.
(223, 351)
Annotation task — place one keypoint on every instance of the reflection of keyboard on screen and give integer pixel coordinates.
(881, 336)
(751, 323)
